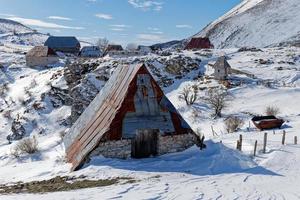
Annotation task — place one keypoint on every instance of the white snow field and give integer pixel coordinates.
(258, 23)
(218, 172)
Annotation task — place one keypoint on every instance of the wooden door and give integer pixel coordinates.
(145, 143)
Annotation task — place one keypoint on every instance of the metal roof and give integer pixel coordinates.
(62, 41)
(87, 131)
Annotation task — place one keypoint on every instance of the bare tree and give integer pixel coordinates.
(217, 98)
(102, 43)
(4, 89)
(189, 94)
(131, 47)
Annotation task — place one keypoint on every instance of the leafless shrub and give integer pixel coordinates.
(7, 114)
(25, 146)
(102, 43)
(217, 98)
(272, 110)
(233, 124)
(189, 94)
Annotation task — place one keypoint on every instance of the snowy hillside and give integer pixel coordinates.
(10, 26)
(258, 23)
(35, 100)
(12, 32)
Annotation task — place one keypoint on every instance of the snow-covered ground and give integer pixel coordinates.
(218, 172)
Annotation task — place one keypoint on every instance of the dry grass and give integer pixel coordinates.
(233, 124)
(25, 146)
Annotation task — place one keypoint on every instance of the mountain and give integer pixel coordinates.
(13, 32)
(258, 23)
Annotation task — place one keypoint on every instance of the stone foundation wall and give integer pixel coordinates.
(176, 143)
(114, 149)
(166, 144)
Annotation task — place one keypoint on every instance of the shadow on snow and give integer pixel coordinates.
(216, 159)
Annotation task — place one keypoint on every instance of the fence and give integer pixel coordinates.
(254, 145)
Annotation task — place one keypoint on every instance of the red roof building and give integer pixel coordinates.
(199, 43)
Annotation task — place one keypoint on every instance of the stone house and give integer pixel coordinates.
(114, 49)
(41, 56)
(221, 69)
(90, 51)
(64, 44)
(130, 117)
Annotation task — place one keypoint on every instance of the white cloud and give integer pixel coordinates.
(120, 26)
(117, 29)
(153, 29)
(146, 4)
(150, 37)
(183, 26)
(42, 24)
(7, 15)
(60, 18)
(104, 16)
(157, 32)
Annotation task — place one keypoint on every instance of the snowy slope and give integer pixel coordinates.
(12, 32)
(257, 23)
(219, 172)
(10, 26)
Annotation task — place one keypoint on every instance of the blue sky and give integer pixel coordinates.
(121, 21)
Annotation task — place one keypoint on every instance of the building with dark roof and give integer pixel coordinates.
(63, 44)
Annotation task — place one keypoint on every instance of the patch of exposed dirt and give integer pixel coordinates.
(59, 184)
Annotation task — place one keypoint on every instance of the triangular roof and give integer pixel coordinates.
(62, 41)
(96, 120)
(222, 62)
(199, 43)
(41, 51)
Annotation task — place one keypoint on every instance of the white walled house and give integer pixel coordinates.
(90, 51)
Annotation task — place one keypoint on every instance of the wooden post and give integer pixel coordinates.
(265, 142)
(241, 142)
(238, 145)
(295, 140)
(249, 127)
(283, 138)
(255, 147)
(202, 142)
(273, 132)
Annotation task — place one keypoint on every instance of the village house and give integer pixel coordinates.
(199, 43)
(221, 69)
(144, 50)
(41, 56)
(114, 49)
(90, 51)
(130, 117)
(64, 44)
